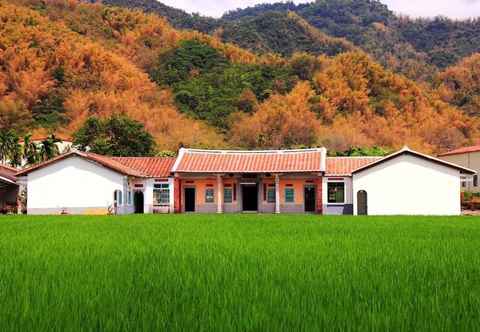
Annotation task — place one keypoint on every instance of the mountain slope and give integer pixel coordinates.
(282, 33)
(53, 77)
(440, 40)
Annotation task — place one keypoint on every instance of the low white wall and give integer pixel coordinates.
(74, 184)
(409, 185)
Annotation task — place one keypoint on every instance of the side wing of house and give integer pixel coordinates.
(407, 185)
(77, 186)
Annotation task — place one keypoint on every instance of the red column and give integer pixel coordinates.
(319, 195)
(178, 195)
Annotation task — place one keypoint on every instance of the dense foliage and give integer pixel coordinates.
(115, 136)
(283, 33)
(208, 86)
(415, 47)
(17, 151)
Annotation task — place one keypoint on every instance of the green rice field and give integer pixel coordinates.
(239, 273)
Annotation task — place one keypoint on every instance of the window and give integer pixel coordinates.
(117, 196)
(289, 195)
(227, 195)
(161, 194)
(129, 197)
(271, 195)
(464, 181)
(209, 195)
(475, 180)
(336, 192)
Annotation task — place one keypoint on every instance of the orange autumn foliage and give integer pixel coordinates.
(363, 104)
(280, 122)
(96, 81)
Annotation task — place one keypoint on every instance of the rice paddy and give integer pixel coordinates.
(239, 273)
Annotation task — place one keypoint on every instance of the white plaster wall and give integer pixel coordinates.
(73, 183)
(409, 185)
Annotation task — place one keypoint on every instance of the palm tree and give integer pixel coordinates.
(30, 150)
(49, 148)
(10, 148)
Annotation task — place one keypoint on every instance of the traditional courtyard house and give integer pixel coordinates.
(467, 157)
(249, 181)
(8, 189)
(87, 183)
(218, 181)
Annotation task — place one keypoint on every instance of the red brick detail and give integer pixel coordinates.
(177, 185)
(319, 195)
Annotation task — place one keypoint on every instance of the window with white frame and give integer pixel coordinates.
(209, 195)
(129, 197)
(161, 194)
(336, 192)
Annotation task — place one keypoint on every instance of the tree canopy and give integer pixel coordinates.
(115, 136)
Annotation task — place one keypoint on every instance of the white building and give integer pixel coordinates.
(87, 183)
(408, 183)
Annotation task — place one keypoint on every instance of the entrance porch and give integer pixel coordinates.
(248, 193)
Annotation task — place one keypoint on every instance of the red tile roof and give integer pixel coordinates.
(102, 160)
(155, 167)
(468, 149)
(344, 166)
(8, 173)
(275, 161)
(406, 150)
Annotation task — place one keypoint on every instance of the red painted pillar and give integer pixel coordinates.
(178, 195)
(319, 195)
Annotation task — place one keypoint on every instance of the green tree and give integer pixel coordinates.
(49, 148)
(115, 136)
(10, 148)
(29, 150)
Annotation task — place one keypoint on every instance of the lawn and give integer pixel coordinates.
(239, 272)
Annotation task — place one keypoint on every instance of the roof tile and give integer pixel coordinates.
(138, 167)
(468, 149)
(202, 161)
(149, 166)
(344, 166)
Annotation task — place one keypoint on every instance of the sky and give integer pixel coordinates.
(425, 8)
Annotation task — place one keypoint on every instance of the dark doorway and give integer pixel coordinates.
(250, 197)
(189, 199)
(362, 203)
(138, 202)
(310, 199)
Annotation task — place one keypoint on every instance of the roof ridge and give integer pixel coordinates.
(13, 169)
(357, 157)
(281, 151)
(418, 154)
(146, 157)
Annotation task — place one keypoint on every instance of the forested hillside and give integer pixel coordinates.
(63, 61)
(417, 48)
